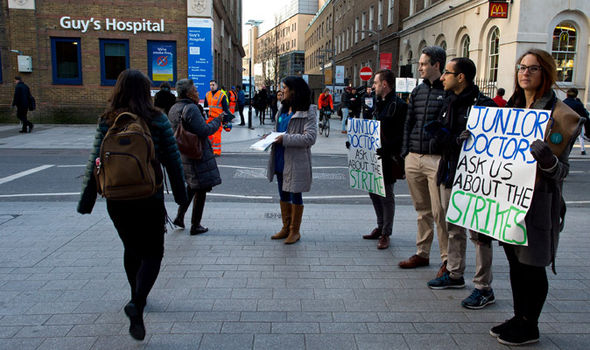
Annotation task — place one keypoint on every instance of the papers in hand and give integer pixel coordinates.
(264, 144)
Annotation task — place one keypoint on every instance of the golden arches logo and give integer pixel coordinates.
(498, 10)
(564, 36)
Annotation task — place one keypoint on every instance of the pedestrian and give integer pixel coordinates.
(449, 133)
(22, 101)
(499, 99)
(140, 223)
(261, 103)
(345, 107)
(232, 95)
(202, 174)
(241, 104)
(164, 99)
(422, 157)
(535, 75)
(325, 103)
(391, 112)
(355, 103)
(273, 106)
(217, 102)
(369, 104)
(290, 154)
(279, 101)
(574, 103)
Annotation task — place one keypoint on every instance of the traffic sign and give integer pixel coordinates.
(366, 73)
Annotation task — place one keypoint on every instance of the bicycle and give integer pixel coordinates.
(324, 124)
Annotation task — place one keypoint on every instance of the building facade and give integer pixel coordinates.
(70, 53)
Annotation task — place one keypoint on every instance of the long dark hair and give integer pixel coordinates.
(548, 77)
(131, 94)
(300, 96)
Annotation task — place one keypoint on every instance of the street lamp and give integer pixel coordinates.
(378, 44)
(251, 23)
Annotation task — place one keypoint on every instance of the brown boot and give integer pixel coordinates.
(286, 216)
(296, 214)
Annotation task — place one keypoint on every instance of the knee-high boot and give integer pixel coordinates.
(296, 214)
(286, 216)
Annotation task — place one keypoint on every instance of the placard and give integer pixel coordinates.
(162, 62)
(365, 170)
(200, 53)
(495, 177)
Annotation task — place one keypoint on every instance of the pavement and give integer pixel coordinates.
(62, 283)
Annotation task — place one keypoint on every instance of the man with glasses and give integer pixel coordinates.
(449, 132)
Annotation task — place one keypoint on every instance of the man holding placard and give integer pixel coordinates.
(391, 113)
(449, 132)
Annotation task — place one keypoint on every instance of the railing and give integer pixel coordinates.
(487, 87)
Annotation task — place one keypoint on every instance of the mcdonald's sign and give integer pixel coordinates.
(498, 9)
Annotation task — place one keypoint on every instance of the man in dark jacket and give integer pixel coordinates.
(241, 104)
(21, 100)
(345, 108)
(574, 103)
(449, 132)
(369, 104)
(422, 158)
(164, 99)
(391, 112)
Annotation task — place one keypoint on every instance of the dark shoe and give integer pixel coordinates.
(583, 153)
(136, 328)
(241, 124)
(442, 270)
(497, 330)
(522, 332)
(383, 242)
(178, 221)
(479, 299)
(197, 230)
(31, 127)
(22, 131)
(413, 262)
(375, 234)
(446, 282)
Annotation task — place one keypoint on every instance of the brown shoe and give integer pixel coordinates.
(383, 242)
(413, 262)
(442, 270)
(375, 234)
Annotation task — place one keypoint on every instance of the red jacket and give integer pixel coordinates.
(325, 101)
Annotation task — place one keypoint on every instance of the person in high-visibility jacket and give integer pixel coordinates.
(216, 100)
(233, 99)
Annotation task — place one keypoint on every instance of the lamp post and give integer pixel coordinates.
(378, 34)
(252, 23)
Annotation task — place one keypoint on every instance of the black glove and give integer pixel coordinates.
(227, 118)
(380, 153)
(464, 135)
(347, 144)
(542, 154)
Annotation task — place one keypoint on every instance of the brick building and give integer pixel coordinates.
(71, 52)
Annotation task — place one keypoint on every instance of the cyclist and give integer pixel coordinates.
(325, 103)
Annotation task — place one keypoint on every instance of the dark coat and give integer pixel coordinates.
(453, 120)
(577, 106)
(164, 99)
(22, 95)
(201, 174)
(346, 99)
(391, 112)
(425, 103)
(166, 152)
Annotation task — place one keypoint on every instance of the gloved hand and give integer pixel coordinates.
(463, 136)
(228, 118)
(542, 154)
(380, 153)
(347, 144)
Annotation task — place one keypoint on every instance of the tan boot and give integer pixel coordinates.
(296, 214)
(286, 216)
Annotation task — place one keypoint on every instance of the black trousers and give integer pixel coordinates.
(384, 209)
(529, 287)
(21, 114)
(141, 227)
(241, 111)
(198, 204)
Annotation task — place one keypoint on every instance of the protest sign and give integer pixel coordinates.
(495, 177)
(365, 170)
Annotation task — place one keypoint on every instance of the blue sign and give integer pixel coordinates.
(162, 62)
(200, 53)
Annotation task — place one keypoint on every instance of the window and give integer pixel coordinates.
(563, 50)
(162, 62)
(65, 61)
(494, 54)
(390, 12)
(380, 15)
(465, 46)
(114, 58)
(371, 17)
(363, 25)
(0, 70)
(443, 45)
(356, 30)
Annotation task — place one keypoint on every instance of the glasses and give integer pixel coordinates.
(445, 72)
(532, 69)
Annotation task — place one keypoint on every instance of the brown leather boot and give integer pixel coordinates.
(296, 214)
(286, 216)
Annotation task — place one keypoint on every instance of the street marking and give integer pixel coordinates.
(39, 194)
(24, 173)
(351, 196)
(577, 202)
(72, 166)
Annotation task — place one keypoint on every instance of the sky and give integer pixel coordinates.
(260, 10)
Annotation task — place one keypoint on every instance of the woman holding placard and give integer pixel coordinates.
(290, 155)
(535, 75)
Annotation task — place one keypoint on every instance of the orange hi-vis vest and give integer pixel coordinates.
(232, 101)
(215, 109)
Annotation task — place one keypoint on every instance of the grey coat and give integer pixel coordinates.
(300, 136)
(203, 173)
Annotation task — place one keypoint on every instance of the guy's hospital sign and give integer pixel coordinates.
(113, 24)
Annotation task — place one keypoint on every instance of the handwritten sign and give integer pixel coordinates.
(495, 177)
(365, 170)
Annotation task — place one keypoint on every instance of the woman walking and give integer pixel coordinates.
(201, 174)
(140, 223)
(290, 155)
(535, 75)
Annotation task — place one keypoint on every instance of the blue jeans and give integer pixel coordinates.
(294, 198)
(344, 117)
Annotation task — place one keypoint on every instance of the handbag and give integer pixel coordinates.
(189, 144)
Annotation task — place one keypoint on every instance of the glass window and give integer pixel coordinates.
(356, 29)
(465, 46)
(114, 58)
(380, 15)
(390, 12)
(0, 70)
(444, 45)
(564, 50)
(494, 55)
(162, 62)
(66, 63)
(363, 25)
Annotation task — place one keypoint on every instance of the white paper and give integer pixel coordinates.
(263, 144)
